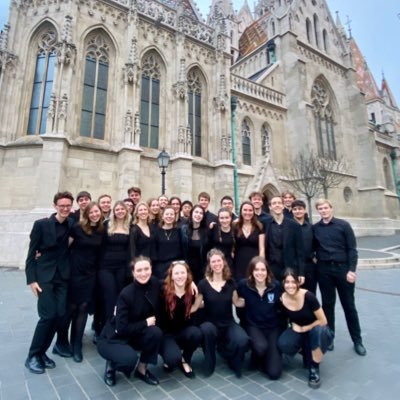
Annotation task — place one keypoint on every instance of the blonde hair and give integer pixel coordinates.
(112, 224)
(321, 201)
(135, 214)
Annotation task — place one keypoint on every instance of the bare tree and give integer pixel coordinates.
(311, 174)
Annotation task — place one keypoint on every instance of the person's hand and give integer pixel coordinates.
(37, 255)
(297, 328)
(36, 289)
(351, 277)
(151, 321)
(195, 291)
(302, 279)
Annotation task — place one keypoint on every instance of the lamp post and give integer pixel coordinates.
(163, 161)
(234, 102)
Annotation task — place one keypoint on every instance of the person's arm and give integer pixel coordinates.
(261, 245)
(31, 259)
(320, 320)
(197, 303)
(352, 255)
(237, 301)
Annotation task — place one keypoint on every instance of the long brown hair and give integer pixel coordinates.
(85, 221)
(169, 290)
(254, 221)
(250, 269)
(226, 272)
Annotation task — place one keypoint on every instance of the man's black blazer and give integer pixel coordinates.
(293, 247)
(43, 240)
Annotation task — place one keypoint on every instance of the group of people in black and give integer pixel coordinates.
(165, 277)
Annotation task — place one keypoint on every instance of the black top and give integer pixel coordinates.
(335, 241)
(85, 251)
(261, 311)
(304, 316)
(223, 241)
(264, 218)
(115, 250)
(167, 244)
(308, 241)
(218, 305)
(177, 322)
(210, 217)
(140, 243)
(275, 243)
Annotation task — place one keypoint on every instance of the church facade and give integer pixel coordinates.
(91, 91)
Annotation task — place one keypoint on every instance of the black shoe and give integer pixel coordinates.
(360, 349)
(147, 377)
(77, 356)
(48, 362)
(109, 374)
(35, 365)
(331, 346)
(167, 368)
(62, 350)
(314, 380)
(188, 374)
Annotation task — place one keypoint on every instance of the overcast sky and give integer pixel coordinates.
(375, 27)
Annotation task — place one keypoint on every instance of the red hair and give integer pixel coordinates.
(169, 290)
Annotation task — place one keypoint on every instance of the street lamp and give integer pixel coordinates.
(163, 161)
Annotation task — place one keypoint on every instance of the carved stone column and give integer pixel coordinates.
(128, 169)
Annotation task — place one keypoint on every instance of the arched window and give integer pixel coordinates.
(265, 141)
(42, 82)
(194, 110)
(246, 142)
(324, 120)
(325, 39)
(316, 30)
(95, 84)
(387, 174)
(308, 29)
(150, 101)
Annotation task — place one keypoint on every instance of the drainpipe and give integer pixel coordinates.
(234, 102)
(393, 157)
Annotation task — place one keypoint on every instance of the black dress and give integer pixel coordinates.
(245, 249)
(84, 259)
(223, 241)
(140, 243)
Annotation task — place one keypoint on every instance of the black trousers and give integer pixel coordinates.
(231, 341)
(264, 344)
(175, 347)
(124, 356)
(332, 277)
(310, 275)
(51, 305)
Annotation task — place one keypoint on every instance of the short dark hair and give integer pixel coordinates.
(226, 198)
(205, 195)
(253, 194)
(63, 195)
(298, 203)
(83, 193)
(187, 202)
(134, 189)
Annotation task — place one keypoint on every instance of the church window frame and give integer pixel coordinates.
(246, 142)
(308, 30)
(316, 29)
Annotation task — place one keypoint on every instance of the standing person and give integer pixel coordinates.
(227, 202)
(336, 251)
(308, 326)
(105, 205)
(181, 337)
(130, 205)
(249, 240)
(163, 202)
(134, 328)
(141, 233)
(257, 199)
(204, 200)
(310, 269)
(283, 242)
(47, 276)
(261, 293)
(83, 198)
(167, 243)
(222, 235)
(86, 240)
(135, 194)
(195, 242)
(176, 203)
(114, 264)
(220, 331)
(154, 211)
(187, 206)
(288, 198)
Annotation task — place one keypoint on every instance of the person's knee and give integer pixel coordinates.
(208, 329)
(154, 333)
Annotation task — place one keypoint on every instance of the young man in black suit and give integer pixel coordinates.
(283, 241)
(47, 272)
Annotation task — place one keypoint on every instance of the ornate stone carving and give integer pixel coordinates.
(66, 33)
(220, 102)
(131, 67)
(226, 147)
(63, 107)
(128, 129)
(137, 131)
(66, 53)
(51, 112)
(181, 87)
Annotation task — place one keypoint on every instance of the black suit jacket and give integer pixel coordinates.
(53, 256)
(293, 247)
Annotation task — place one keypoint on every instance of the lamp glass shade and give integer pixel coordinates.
(163, 159)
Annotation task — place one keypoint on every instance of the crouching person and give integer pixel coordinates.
(133, 328)
(308, 329)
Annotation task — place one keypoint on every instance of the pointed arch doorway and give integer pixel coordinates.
(269, 191)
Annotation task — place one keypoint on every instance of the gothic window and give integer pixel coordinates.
(325, 39)
(246, 142)
(387, 174)
(42, 82)
(308, 29)
(316, 30)
(95, 84)
(324, 120)
(194, 111)
(150, 101)
(265, 141)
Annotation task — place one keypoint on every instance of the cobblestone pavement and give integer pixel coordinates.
(344, 374)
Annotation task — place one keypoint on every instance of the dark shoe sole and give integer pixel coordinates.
(34, 371)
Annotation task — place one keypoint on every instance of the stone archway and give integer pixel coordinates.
(269, 191)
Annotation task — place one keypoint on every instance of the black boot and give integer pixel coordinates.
(314, 380)
(109, 374)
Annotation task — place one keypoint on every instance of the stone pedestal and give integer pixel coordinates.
(223, 181)
(179, 177)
